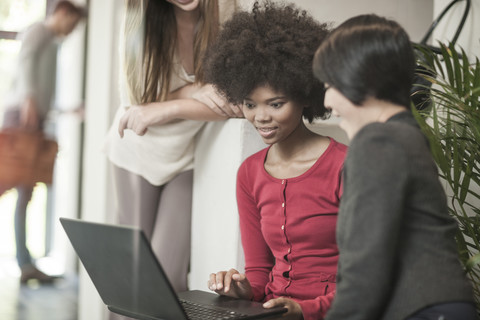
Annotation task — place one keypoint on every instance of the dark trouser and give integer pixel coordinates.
(447, 311)
(24, 194)
(164, 213)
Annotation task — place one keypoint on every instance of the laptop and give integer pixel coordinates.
(131, 281)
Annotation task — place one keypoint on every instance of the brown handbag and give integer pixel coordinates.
(25, 158)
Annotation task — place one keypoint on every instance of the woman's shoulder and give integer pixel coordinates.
(36, 35)
(401, 129)
(330, 159)
(253, 164)
(333, 151)
(255, 159)
(372, 140)
(373, 132)
(338, 147)
(392, 140)
(251, 168)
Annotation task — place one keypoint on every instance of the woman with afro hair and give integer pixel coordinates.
(288, 194)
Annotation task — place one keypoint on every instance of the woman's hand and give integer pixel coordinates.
(208, 95)
(29, 115)
(231, 283)
(294, 310)
(139, 118)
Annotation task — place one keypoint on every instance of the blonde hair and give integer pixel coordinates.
(149, 43)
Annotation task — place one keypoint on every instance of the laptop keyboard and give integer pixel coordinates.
(197, 311)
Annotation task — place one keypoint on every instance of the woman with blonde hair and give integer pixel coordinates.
(165, 104)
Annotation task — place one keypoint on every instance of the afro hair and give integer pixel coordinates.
(272, 45)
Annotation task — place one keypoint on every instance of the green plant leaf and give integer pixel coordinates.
(473, 261)
(448, 66)
(457, 69)
(452, 127)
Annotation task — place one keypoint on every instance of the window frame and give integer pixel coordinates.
(12, 35)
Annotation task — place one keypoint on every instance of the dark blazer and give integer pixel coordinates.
(396, 239)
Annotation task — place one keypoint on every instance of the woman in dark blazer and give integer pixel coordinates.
(398, 258)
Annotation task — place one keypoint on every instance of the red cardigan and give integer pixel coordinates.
(288, 230)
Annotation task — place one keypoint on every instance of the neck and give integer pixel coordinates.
(374, 110)
(295, 145)
(186, 20)
(381, 111)
(186, 24)
(390, 112)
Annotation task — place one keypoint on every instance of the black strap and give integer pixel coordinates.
(420, 96)
(440, 17)
(435, 23)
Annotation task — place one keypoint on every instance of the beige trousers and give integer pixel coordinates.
(164, 214)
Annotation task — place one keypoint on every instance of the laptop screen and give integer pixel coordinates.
(123, 268)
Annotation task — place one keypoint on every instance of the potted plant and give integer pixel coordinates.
(452, 124)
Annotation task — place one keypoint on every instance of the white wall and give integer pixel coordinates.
(101, 98)
(414, 15)
(220, 150)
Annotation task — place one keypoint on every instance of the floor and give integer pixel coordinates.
(33, 301)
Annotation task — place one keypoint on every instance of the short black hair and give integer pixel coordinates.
(367, 56)
(272, 45)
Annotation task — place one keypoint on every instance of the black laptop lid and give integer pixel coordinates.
(141, 286)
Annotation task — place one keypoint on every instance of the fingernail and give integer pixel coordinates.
(213, 287)
(267, 304)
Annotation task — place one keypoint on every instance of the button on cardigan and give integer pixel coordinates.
(288, 230)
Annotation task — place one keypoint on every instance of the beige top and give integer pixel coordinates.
(165, 150)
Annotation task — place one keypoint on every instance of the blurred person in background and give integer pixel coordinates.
(29, 101)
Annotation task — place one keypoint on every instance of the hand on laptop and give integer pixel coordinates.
(231, 283)
(294, 310)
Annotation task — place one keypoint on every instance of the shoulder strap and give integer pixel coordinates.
(440, 17)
